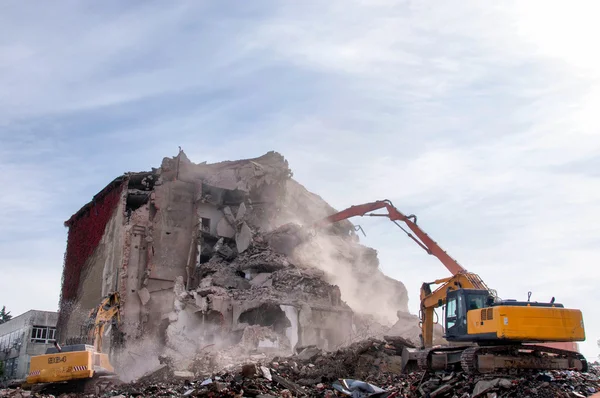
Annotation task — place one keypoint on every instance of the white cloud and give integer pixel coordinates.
(481, 119)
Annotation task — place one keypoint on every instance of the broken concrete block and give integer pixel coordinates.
(262, 279)
(144, 295)
(226, 252)
(483, 386)
(201, 302)
(225, 229)
(243, 238)
(266, 373)
(241, 212)
(229, 215)
(505, 383)
(309, 353)
(183, 374)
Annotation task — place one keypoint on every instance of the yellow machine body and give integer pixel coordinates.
(526, 324)
(65, 366)
(79, 361)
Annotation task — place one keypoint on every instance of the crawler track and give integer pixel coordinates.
(507, 357)
(96, 385)
(499, 358)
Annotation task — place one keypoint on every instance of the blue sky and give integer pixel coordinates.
(481, 119)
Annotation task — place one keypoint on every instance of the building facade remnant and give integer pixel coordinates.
(187, 246)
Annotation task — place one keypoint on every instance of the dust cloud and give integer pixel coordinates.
(354, 268)
(137, 358)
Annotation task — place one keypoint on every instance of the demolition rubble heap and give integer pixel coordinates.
(205, 260)
(369, 368)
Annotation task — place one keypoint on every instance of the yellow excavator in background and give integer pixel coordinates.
(79, 367)
(486, 333)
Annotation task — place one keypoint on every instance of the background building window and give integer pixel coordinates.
(11, 341)
(43, 334)
(10, 368)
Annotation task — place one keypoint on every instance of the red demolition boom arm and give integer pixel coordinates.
(422, 239)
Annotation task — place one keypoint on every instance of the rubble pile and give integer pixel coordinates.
(370, 368)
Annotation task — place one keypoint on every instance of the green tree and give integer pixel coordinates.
(5, 316)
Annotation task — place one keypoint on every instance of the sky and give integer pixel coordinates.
(479, 117)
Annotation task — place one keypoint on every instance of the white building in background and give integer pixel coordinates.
(21, 338)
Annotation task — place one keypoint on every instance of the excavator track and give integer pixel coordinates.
(96, 385)
(440, 358)
(512, 357)
(500, 358)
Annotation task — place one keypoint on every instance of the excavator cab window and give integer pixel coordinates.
(458, 303)
(450, 313)
(456, 314)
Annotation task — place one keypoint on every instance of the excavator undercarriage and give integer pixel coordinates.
(96, 385)
(497, 358)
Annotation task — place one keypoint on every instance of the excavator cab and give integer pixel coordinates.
(458, 303)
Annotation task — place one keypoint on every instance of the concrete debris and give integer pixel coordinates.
(266, 373)
(224, 229)
(359, 370)
(183, 374)
(262, 279)
(241, 212)
(484, 386)
(243, 238)
(308, 353)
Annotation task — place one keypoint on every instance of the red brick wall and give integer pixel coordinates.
(86, 229)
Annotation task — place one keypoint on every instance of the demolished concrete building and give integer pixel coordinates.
(188, 247)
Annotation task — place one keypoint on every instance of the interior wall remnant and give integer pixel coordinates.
(291, 332)
(208, 218)
(327, 328)
(132, 323)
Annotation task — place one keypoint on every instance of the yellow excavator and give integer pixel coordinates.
(485, 333)
(79, 367)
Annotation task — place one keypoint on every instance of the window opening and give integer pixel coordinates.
(43, 334)
(205, 224)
